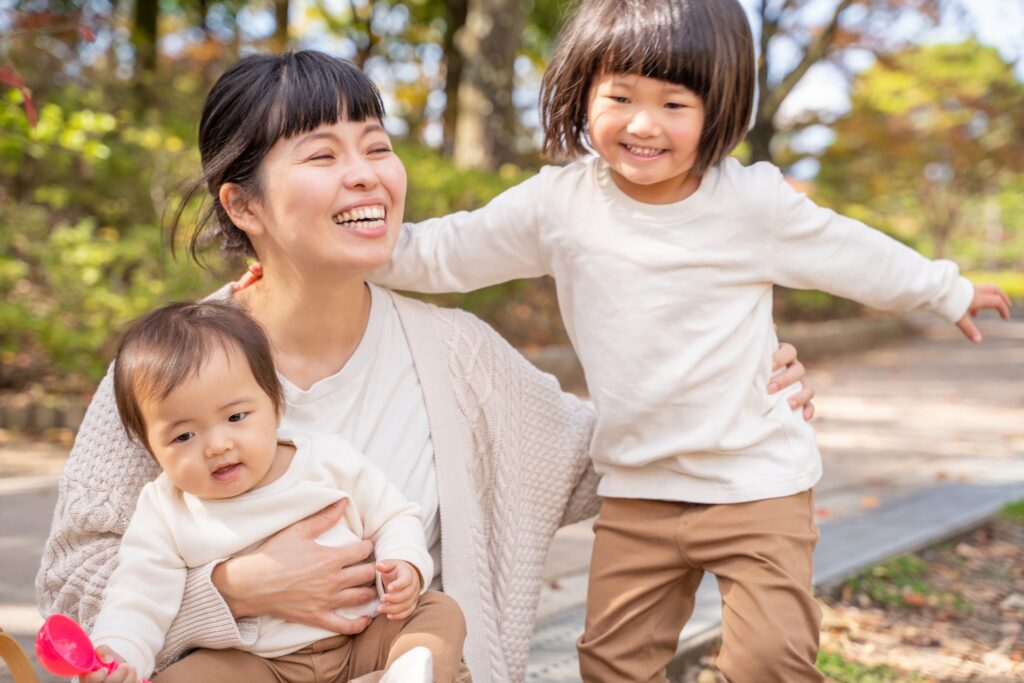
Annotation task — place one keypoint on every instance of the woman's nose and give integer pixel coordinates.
(360, 175)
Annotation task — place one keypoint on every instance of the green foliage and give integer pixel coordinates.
(1011, 282)
(1014, 511)
(836, 667)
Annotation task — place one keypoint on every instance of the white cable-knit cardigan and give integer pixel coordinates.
(511, 455)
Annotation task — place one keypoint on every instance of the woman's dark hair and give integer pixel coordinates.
(170, 345)
(255, 103)
(704, 45)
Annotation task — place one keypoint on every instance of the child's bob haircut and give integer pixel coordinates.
(704, 45)
(170, 345)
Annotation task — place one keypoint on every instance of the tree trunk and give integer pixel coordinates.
(281, 25)
(760, 140)
(489, 42)
(456, 20)
(144, 35)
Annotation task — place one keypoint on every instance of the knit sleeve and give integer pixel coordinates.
(97, 493)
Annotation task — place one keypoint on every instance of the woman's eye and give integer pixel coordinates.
(381, 150)
(237, 417)
(322, 157)
(182, 438)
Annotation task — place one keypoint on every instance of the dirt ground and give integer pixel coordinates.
(951, 613)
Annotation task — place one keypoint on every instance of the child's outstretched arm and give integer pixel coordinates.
(472, 249)
(811, 247)
(985, 296)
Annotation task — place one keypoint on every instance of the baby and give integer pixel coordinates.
(195, 383)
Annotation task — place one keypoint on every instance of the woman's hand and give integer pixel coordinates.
(292, 577)
(794, 371)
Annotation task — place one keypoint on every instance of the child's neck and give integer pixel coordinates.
(668, 191)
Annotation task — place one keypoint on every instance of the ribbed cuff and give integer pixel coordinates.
(205, 620)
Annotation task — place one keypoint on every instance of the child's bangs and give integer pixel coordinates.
(652, 47)
(316, 90)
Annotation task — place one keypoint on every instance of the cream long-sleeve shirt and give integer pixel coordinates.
(669, 308)
(172, 531)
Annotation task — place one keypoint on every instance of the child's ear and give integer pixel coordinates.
(240, 207)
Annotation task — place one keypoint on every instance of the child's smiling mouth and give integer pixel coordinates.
(643, 152)
(227, 472)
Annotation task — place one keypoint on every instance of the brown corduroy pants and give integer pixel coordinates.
(649, 557)
(437, 624)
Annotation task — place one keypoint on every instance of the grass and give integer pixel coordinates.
(899, 582)
(833, 665)
(1014, 511)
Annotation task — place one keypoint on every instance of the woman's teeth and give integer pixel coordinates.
(644, 151)
(363, 217)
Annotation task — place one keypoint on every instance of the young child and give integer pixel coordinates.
(195, 383)
(664, 251)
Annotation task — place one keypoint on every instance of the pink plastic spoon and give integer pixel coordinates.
(64, 649)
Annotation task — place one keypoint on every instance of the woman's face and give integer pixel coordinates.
(332, 199)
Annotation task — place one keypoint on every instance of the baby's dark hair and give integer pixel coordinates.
(170, 345)
(703, 45)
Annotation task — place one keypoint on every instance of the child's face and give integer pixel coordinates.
(648, 131)
(215, 435)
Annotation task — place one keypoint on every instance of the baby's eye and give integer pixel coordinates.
(237, 417)
(182, 438)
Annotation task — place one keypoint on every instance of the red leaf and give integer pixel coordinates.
(30, 107)
(86, 33)
(9, 78)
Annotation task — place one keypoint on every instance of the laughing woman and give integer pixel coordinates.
(302, 176)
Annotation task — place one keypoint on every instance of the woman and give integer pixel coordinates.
(303, 177)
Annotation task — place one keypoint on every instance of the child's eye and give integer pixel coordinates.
(620, 99)
(237, 417)
(675, 105)
(182, 438)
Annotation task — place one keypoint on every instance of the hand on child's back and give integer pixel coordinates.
(985, 296)
(401, 588)
(124, 673)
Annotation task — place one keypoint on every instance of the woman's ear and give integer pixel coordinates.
(240, 208)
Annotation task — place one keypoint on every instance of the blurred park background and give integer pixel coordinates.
(907, 114)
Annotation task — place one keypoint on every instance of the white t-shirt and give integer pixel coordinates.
(376, 403)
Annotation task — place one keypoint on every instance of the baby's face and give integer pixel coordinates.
(215, 434)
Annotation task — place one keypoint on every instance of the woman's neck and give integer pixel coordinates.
(313, 330)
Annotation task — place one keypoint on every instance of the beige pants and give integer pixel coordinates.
(437, 624)
(649, 557)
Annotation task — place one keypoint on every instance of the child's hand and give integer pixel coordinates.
(122, 674)
(985, 296)
(401, 588)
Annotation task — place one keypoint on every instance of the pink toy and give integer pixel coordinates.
(64, 649)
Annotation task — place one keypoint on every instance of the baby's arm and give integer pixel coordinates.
(145, 591)
(393, 523)
(811, 247)
(471, 249)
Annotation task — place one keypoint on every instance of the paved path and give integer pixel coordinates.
(930, 410)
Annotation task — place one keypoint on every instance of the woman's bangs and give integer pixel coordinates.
(319, 91)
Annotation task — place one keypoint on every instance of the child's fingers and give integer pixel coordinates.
(969, 330)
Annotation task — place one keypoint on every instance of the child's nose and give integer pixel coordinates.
(217, 444)
(643, 124)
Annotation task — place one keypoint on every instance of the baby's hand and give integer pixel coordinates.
(401, 588)
(122, 674)
(985, 296)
